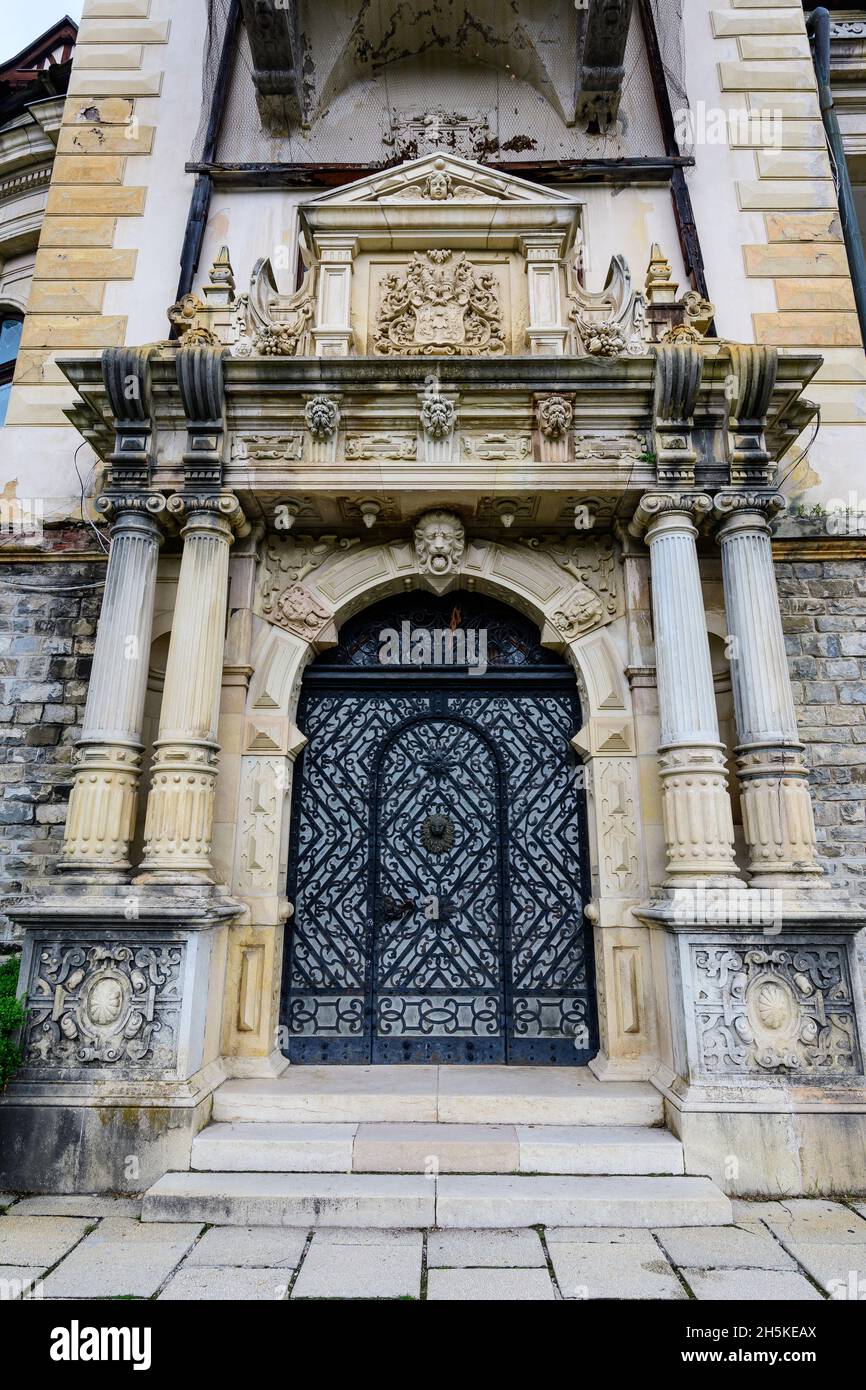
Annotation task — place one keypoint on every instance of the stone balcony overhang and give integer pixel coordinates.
(496, 450)
(300, 65)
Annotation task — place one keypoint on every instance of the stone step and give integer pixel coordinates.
(470, 1201)
(401, 1201)
(448, 1095)
(421, 1147)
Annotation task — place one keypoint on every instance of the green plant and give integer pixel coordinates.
(11, 1018)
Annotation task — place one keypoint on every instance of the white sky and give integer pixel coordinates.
(22, 21)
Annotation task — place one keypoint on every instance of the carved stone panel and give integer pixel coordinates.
(107, 1004)
(775, 1009)
(617, 809)
(440, 305)
(261, 793)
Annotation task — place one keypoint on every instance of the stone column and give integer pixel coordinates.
(777, 806)
(180, 808)
(698, 823)
(101, 818)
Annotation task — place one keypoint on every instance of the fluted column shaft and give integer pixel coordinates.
(179, 825)
(778, 820)
(101, 817)
(698, 823)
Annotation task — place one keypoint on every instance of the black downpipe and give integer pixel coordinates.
(818, 26)
(203, 188)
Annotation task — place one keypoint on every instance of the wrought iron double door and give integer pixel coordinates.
(437, 873)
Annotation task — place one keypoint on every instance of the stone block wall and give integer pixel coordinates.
(48, 616)
(824, 616)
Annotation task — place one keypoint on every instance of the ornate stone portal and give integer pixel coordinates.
(487, 423)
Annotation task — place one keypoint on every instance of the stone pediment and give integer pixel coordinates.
(440, 179)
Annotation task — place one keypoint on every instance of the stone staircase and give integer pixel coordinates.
(437, 1146)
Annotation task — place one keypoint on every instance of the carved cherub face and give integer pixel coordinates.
(439, 541)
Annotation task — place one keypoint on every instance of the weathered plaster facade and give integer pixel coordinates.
(503, 381)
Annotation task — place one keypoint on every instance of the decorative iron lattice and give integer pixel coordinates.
(437, 867)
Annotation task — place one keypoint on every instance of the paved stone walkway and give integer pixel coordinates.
(94, 1247)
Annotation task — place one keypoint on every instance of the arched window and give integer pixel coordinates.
(10, 339)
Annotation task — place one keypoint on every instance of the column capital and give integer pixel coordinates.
(744, 511)
(185, 506)
(677, 508)
(113, 505)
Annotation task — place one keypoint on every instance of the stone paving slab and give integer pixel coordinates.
(465, 1249)
(251, 1247)
(750, 1285)
(38, 1240)
(724, 1247)
(814, 1221)
(120, 1258)
(201, 1283)
(367, 1235)
(602, 1235)
(16, 1280)
(840, 1269)
(7, 1200)
(590, 1270)
(360, 1271)
(489, 1286)
(93, 1207)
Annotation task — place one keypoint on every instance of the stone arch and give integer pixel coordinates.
(534, 581)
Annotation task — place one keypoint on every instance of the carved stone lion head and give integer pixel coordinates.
(439, 543)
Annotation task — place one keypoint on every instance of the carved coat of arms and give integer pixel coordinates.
(439, 306)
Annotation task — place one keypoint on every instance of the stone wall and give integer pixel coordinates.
(824, 617)
(48, 615)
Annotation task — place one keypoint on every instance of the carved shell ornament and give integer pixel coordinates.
(773, 1008)
(104, 1001)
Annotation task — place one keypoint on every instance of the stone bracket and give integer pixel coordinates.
(126, 376)
(679, 372)
(202, 391)
(749, 391)
(277, 47)
(602, 36)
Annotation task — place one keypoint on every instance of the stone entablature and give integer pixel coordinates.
(547, 436)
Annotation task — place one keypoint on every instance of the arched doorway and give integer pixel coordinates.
(438, 869)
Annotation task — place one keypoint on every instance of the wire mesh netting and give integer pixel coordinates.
(500, 93)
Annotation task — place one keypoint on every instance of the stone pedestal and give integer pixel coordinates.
(762, 1063)
(777, 807)
(180, 809)
(698, 823)
(123, 993)
(101, 818)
